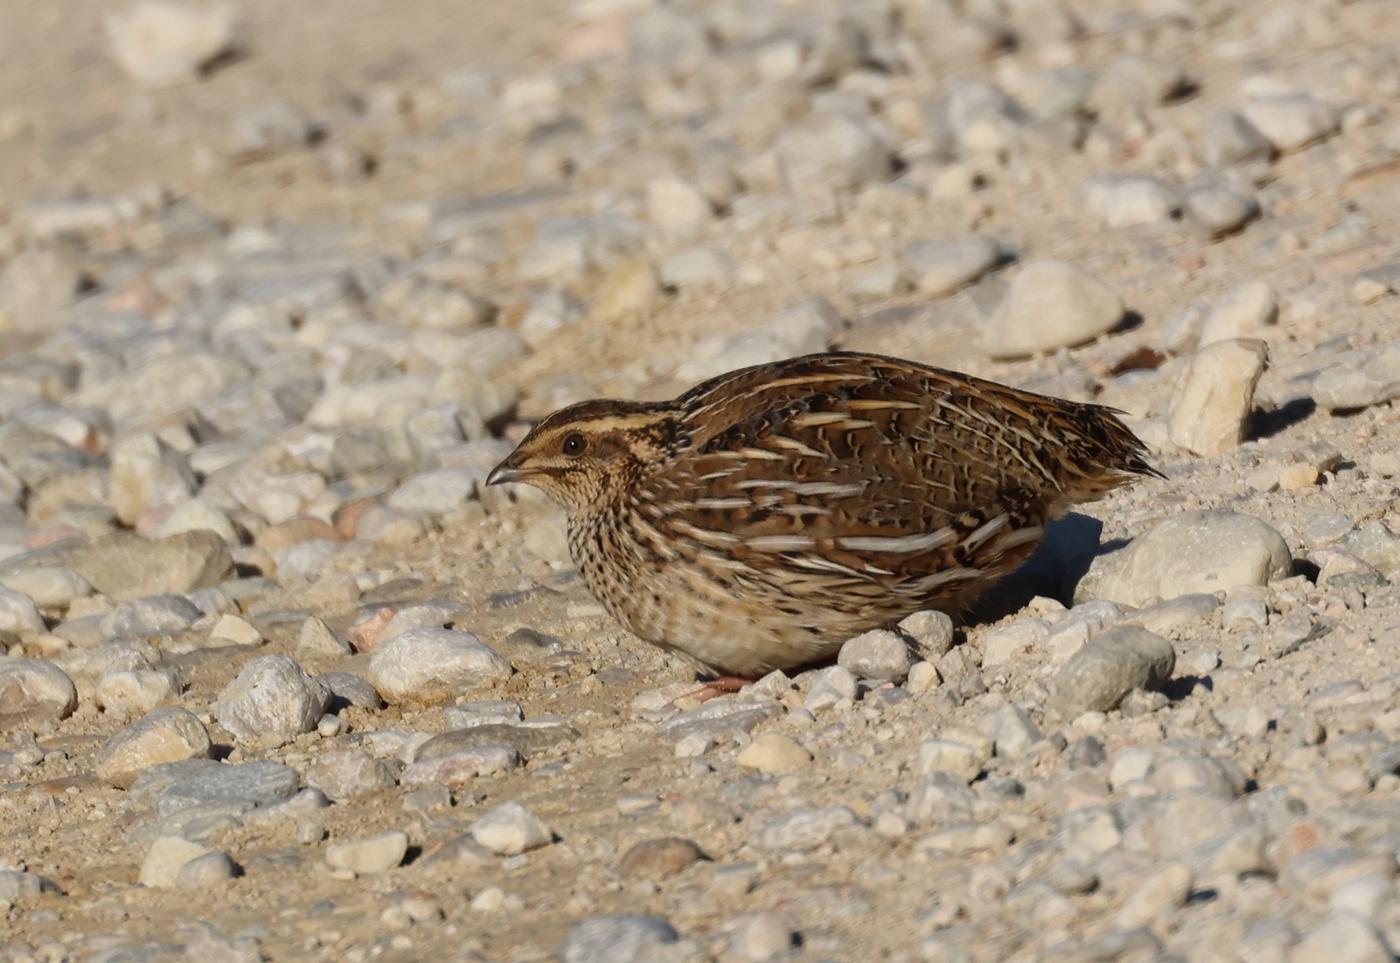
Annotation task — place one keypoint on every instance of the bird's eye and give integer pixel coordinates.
(575, 445)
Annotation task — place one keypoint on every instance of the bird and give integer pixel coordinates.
(759, 520)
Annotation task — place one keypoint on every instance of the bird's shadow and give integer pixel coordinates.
(1053, 570)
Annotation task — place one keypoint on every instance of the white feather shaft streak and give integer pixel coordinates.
(780, 543)
(900, 545)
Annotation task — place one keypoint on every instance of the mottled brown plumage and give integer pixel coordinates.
(765, 516)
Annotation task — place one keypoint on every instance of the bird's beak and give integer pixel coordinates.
(501, 474)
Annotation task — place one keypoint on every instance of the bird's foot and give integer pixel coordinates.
(714, 688)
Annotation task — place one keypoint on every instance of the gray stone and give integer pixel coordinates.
(125, 566)
(719, 717)
(1108, 667)
(348, 773)
(205, 871)
(1050, 305)
(150, 616)
(16, 886)
(525, 740)
(484, 712)
(317, 640)
(429, 664)
(1369, 378)
(180, 785)
(347, 689)
(165, 858)
(620, 939)
(803, 830)
(460, 768)
(271, 702)
(1219, 208)
(938, 268)
(831, 150)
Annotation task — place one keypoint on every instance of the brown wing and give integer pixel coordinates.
(874, 470)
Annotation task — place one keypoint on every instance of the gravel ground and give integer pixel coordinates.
(279, 286)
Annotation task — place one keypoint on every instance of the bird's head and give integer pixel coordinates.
(587, 454)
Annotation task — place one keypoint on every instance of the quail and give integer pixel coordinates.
(765, 516)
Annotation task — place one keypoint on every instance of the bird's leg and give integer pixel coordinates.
(714, 688)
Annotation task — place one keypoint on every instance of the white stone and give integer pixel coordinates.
(235, 630)
(877, 654)
(271, 702)
(931, 632)
(197, 515)
(1211, 408)
(158, 42)
(47, 586)
(510, 829)
(1164, 890)
(774, 753)
(677, 206)
(166, 857)
(1125, 200)
(374, 854)
(1244, 312)
(1008, 642)
(945, 755)
(316, 640)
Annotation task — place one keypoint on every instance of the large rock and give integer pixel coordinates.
(1201, 551)
(1050, 305)
(429, 664)
(126, 566)
(1210, 412)
(271, 702)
